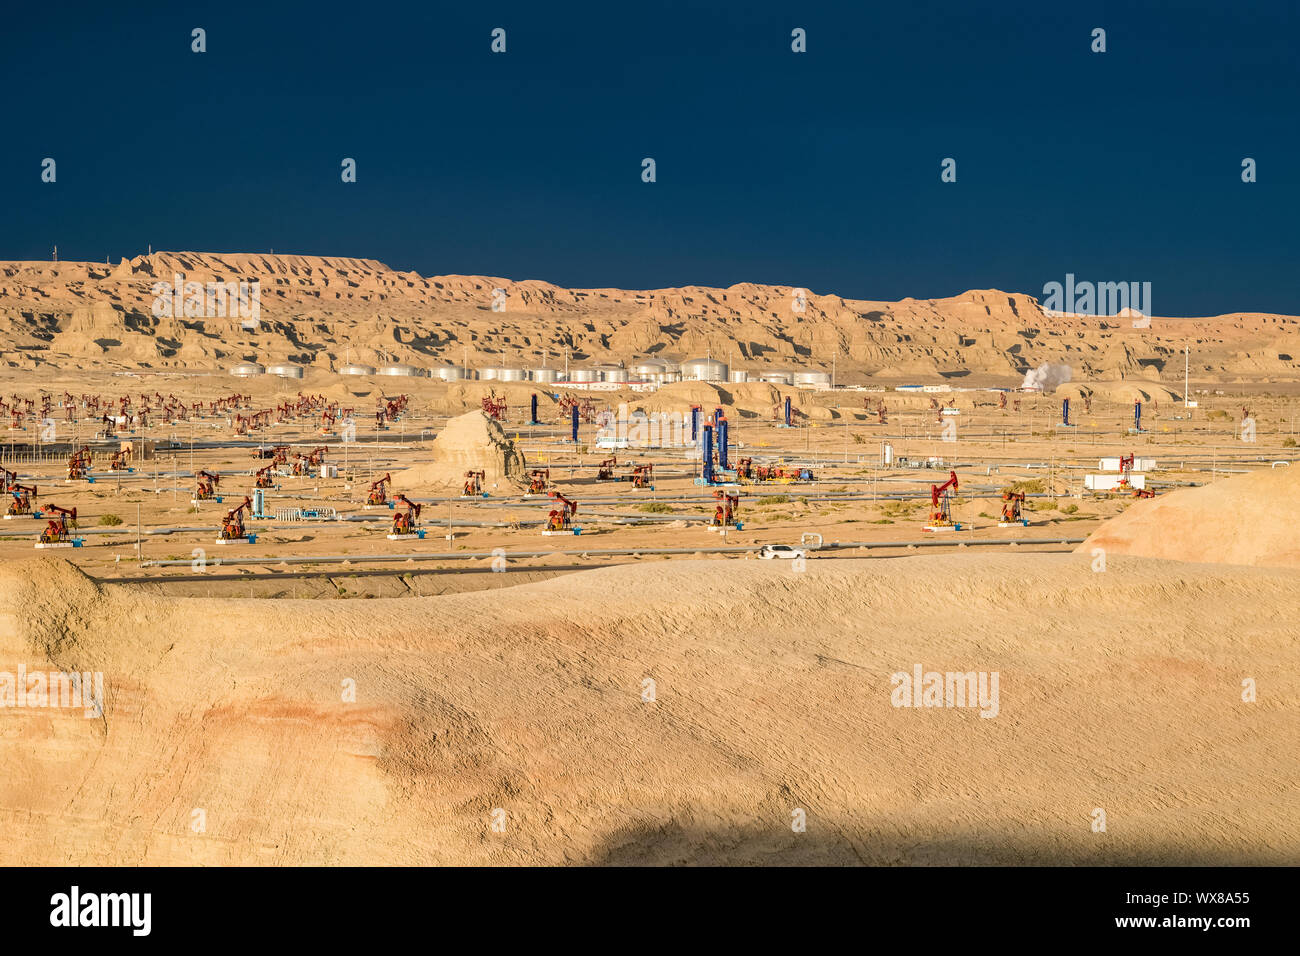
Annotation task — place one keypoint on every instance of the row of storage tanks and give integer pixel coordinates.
(659, 371)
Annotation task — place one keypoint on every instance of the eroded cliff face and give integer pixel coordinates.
(323, 311)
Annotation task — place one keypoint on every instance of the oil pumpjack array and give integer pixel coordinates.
(709, 434)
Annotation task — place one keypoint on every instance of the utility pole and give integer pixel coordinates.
(1186, 396)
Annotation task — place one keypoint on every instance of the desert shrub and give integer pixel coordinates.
(109, 520)
(1029, 486)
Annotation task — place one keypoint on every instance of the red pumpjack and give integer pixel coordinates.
(22, 503)
(561, 519)
(940, 511)
(57, 531)
(724, 516)
(207, 485)
(232, 526)
(1126, 471)
(79, 463)
(379, 491)
(1011, 508)
(404, 521)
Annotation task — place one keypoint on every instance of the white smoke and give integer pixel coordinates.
(1047, 377)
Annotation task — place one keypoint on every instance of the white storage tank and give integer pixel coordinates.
(812, 378)
(704, 370)
(738, 375)
(656, 370)
(777, 377)
(504, 373)
(285, 371)
(247, 369)
(401, 371)
(455, 373)
(584, 375)
(357, 370)
(613, 373)
(546, 375)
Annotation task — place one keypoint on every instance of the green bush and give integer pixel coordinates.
(1030, 486)
(655, 507)
(110, 520)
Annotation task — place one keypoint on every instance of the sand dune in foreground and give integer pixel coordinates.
(1244, 519)
(1118, 690)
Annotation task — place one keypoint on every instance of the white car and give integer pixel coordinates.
(770, 551)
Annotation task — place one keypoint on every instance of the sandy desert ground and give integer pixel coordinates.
(648, 691)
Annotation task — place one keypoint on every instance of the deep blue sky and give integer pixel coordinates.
(818, 169)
